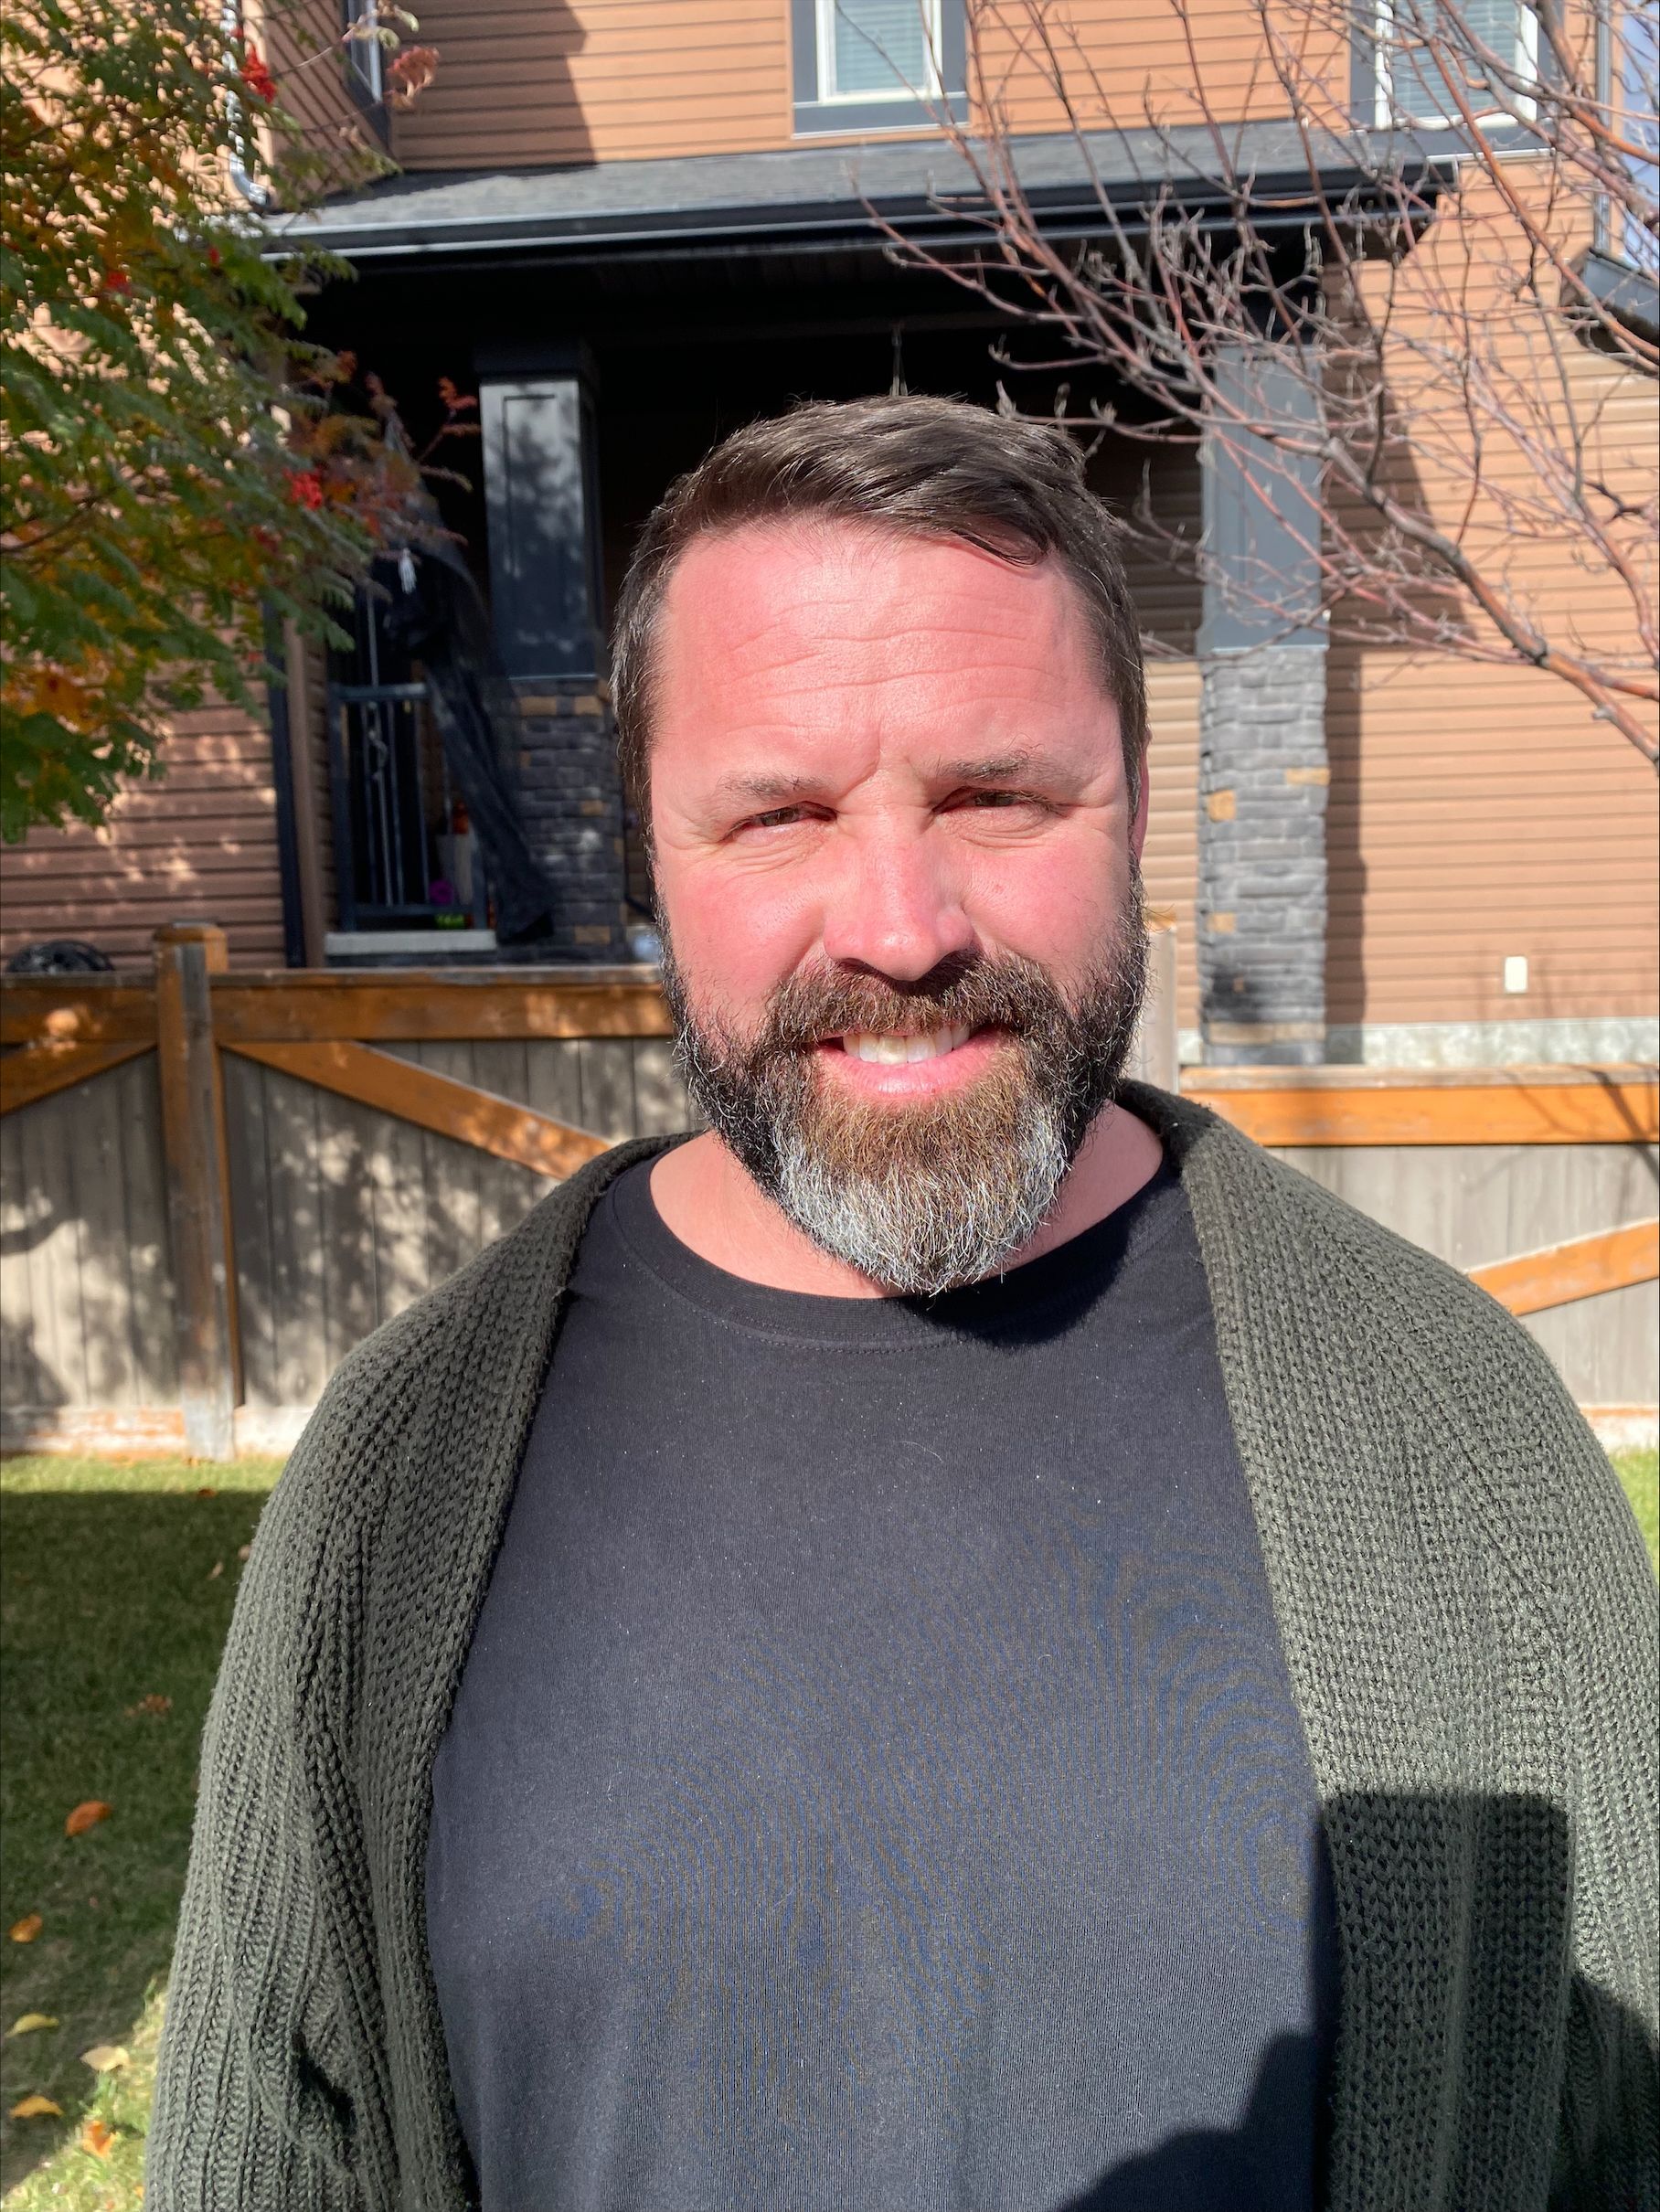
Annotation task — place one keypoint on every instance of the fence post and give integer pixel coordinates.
(1156, 1058)
(199, 1185)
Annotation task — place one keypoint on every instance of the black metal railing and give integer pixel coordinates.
(398, 846)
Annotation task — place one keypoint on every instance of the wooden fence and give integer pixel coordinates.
(215, 1184)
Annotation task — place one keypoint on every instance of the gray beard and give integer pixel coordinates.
(931, 1225)
(920, 1199)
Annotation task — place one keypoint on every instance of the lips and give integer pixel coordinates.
(899, 1051)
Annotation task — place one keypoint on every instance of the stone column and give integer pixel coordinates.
(1264, 771)
(541, 497)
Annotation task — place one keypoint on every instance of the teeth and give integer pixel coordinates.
(900, 1051)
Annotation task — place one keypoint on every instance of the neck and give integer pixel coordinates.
(714, 1205)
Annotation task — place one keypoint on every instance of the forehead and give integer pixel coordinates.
(792, 610)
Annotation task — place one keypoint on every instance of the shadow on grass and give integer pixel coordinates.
(110, 1603)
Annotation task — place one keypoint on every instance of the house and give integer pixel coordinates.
(628, 225)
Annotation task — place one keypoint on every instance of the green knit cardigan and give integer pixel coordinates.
(1468, 1618)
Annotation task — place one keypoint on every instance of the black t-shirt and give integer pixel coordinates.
(874, 1784)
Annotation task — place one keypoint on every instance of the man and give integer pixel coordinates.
(965, 1638)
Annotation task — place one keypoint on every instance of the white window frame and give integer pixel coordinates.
(825, 12)
(1386, 114)
(365, 56)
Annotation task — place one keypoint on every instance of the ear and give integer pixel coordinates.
(1138, 827)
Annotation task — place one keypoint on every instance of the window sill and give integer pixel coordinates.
(1628, 294)
(845, 118)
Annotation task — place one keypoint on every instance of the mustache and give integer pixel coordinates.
(966, 991)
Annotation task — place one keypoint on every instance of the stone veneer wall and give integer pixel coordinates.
(1263, 776)
(572, 800)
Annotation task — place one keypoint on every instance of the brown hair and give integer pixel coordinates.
(929, 468)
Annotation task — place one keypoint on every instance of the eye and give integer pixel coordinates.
(987, 802)
(779, 818)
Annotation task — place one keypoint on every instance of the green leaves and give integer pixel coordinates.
(158, 397)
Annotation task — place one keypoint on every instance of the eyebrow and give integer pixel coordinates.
(780, 790)
(998, 768)
(769, 789)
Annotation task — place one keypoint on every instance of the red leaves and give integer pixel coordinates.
(408, 73)
(306, 489)
(258, 78)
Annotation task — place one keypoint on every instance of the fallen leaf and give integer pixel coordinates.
(98, 2137)
(216, 1570)
(150, 1707)
(105, 2058)
(207, 1491)
(244, 1552)
(25, 1930)
(28, 2024)
(37, 2107)
(86, 1814)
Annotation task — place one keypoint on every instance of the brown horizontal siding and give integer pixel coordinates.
(1477, 809)
(520, 86)
(302, 46)
(201, 845)
(1170, 860)
(1117, 63)
(1476, 813)
(524, 86)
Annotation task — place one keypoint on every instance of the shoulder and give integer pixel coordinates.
(1352, 1334)
(452, 1363)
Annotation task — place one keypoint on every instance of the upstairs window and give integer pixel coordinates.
(1428, 52)
(1637, 34)
(876, 49)
(877, 64)
(365, 61)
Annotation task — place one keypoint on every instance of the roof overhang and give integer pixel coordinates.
(814, 196)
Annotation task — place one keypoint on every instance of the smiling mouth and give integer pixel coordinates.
(892, 1051)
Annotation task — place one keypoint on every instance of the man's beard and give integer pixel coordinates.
(926, 1198)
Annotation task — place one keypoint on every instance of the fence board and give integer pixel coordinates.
(26, 1377)
(54, 1251)
(453, 1005)
(347, 1132)
(453, 1106)
(299, 1262)
(250, 1217)
(149, 1260)
(37, 1071)
(86, 1011)
(608, 1089)
(553, 1080)
(92, 1112)
(1581, 1267)
(344, 1212)
(1524, 1111)
(395, 1169)
(661, 1107)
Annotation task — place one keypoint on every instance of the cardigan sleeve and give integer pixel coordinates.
(254, 2106)
(1602, 1591)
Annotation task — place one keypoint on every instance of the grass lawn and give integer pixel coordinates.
(116, 1581)
(116, 1591)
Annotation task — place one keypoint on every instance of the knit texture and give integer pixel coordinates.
(1469, 1623)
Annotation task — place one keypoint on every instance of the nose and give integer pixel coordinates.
(894, 907)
